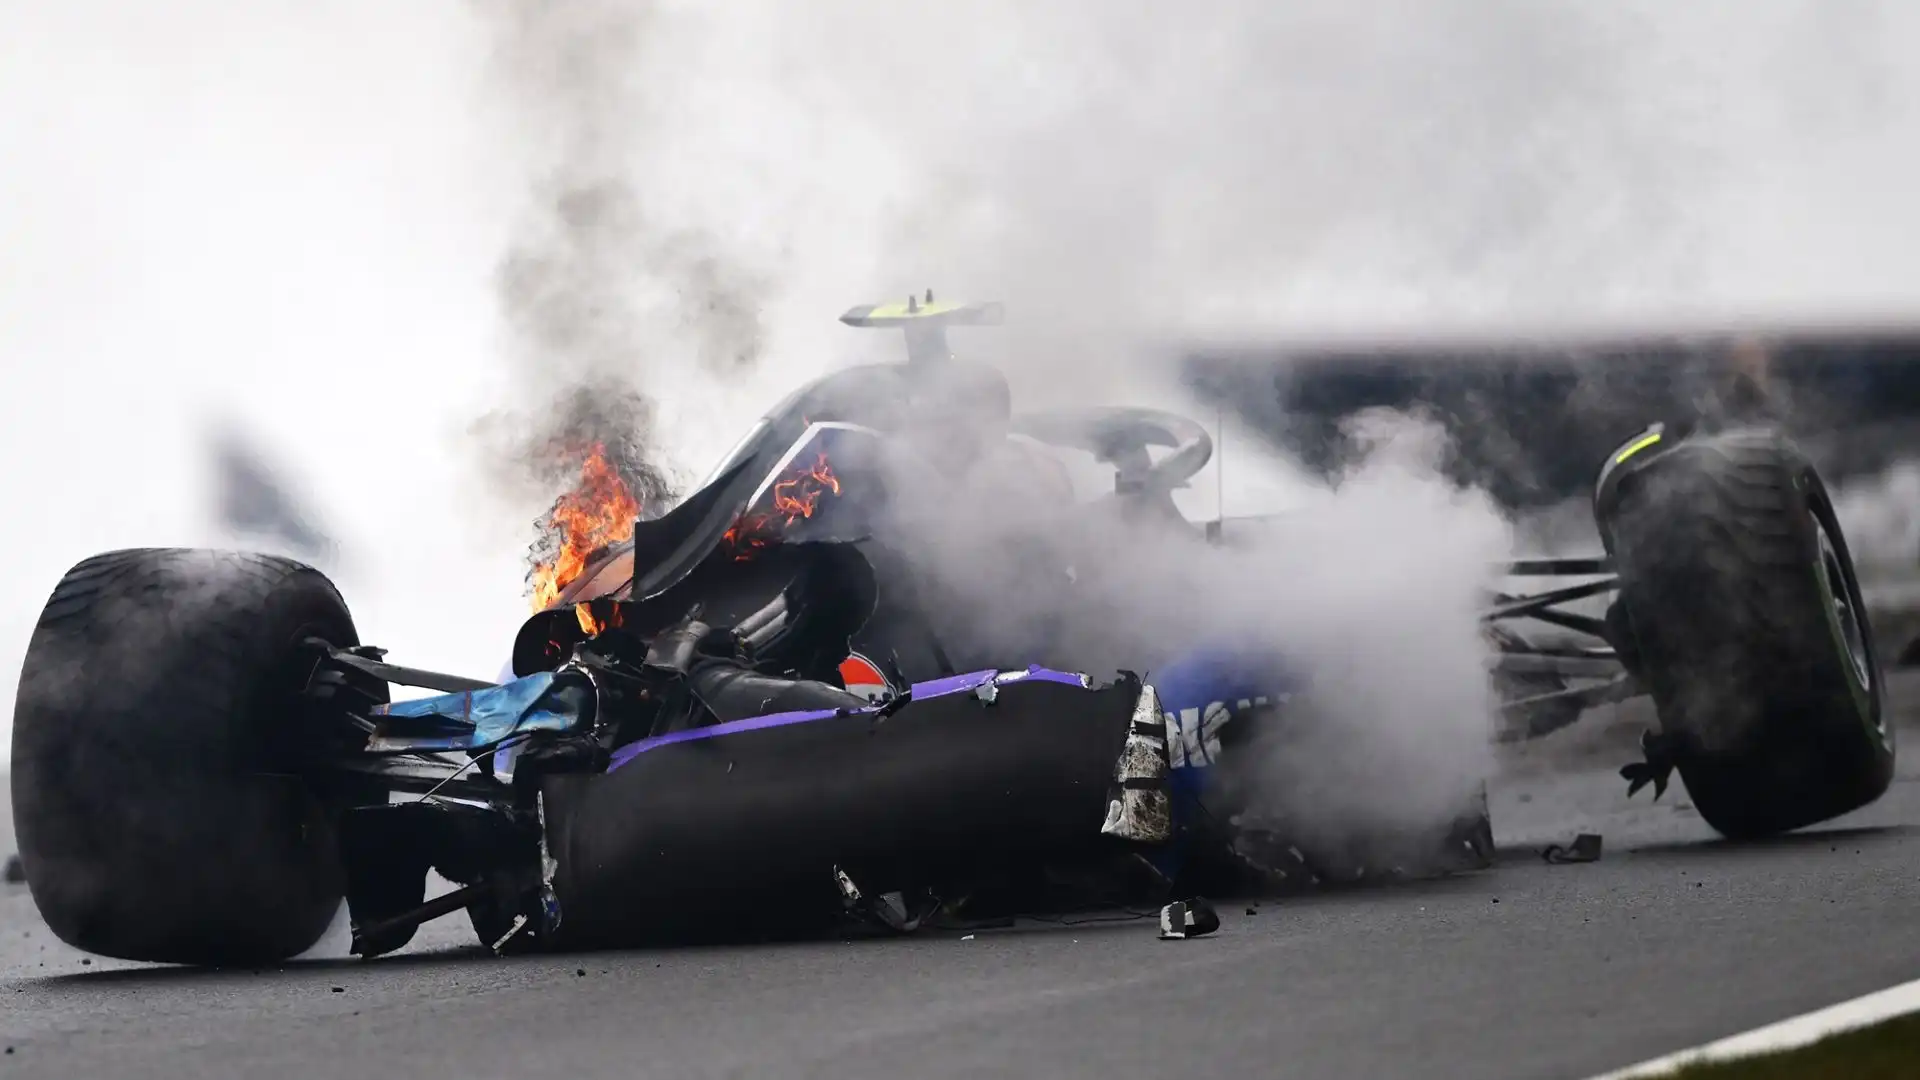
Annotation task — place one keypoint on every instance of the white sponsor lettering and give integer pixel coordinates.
(1211, 721)
(1193, 734)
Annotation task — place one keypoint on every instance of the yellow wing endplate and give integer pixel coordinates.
(915, 311)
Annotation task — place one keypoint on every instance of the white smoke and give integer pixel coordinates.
(1370, 591)
(1880, 517)
(1130, 178)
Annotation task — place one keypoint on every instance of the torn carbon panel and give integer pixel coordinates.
(739, 834)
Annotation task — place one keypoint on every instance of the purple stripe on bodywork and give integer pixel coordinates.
(753, 723)
(953, 684)
(1037, 673)
(973, 680)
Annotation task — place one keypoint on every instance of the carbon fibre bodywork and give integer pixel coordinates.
(742, 828)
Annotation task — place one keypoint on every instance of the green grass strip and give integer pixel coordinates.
(1886, 1051)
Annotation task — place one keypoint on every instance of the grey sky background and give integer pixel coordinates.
(297, 215)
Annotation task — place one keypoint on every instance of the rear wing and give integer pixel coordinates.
(925, 322)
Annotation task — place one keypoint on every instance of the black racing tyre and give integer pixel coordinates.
(1747, 626)
(158, 784)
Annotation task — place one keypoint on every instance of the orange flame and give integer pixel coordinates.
(810, 483)
(600, 510)
(591, 624)
(795, 496)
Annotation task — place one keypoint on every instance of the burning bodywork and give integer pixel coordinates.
(760, 712)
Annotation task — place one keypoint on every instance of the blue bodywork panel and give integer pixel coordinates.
(1208, 687)
(474, 719)
(1200, 693)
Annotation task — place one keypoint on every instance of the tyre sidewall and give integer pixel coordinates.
(1796, 740)
(160, 790)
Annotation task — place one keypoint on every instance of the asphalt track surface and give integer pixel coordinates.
(1528, 970)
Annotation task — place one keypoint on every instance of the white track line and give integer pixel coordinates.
(1787, 1034)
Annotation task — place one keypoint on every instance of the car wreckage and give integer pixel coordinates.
(744, 718)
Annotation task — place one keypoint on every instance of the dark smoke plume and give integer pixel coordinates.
(611, 420)
(605, 307)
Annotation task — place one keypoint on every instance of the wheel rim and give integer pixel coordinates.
(1847, 617)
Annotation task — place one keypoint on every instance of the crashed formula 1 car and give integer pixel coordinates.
(748, 718)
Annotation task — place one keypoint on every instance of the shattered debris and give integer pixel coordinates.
(849, 892)
(1183, 919)
(1584, 849)
(889, 909)
(1140, 809)
(16, 871)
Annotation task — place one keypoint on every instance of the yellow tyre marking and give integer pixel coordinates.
(1636, 446)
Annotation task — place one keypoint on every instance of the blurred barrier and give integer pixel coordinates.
(1532, 416)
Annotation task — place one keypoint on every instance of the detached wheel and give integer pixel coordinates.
(1747, 625)
(159, 785)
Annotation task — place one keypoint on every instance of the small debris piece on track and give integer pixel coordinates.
(1584, 849)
